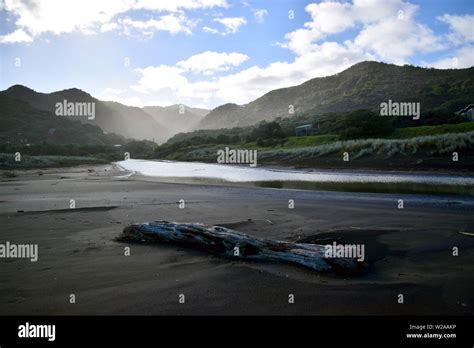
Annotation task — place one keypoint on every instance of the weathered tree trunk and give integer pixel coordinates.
(236, 245)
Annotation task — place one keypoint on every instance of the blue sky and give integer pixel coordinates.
(209, 52)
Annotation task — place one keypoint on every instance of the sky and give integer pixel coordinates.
(205, 53)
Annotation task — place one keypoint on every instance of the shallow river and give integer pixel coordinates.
(371, 181)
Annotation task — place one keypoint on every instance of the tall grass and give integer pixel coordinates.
(410, 132)
(432, 145)
(309, 141)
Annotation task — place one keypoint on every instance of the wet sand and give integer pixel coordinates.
(409, 250)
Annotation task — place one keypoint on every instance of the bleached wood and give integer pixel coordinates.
(223, 241)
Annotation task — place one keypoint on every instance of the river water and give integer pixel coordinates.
(370, 181)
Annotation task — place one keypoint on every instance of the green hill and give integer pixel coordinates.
(20, 123)
(362, 86)
(111, 117)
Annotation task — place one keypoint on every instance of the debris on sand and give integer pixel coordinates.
(232, 244)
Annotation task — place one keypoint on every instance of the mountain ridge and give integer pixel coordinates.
(111, 117)
(178, 118)
(362, 86)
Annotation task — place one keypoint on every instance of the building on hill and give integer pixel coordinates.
(305, 130)
(468, 112)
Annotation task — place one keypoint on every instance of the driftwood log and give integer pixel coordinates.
(231, 244)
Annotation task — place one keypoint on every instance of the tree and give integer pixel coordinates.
(222, 139)
(267, 130)
(365, 124)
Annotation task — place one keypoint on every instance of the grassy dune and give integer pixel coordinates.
(411, 132)
(325, 151)
(431, 145)
(325, 139)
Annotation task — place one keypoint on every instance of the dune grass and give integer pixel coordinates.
(411, 132)
(309, 141)
(387, 148)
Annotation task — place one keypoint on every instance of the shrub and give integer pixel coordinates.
(364, 124)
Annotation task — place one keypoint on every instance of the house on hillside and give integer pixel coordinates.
(305, 130)
(468, 112)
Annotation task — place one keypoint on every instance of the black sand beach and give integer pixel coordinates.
(409, 250)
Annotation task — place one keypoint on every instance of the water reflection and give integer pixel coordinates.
(388, 182)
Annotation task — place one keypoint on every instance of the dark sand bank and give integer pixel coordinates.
(409, 250)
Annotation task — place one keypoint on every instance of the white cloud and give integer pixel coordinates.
(60, 16)
(336, 17)
(301, 41)
(210, 62)
(463, 58)
(108, 27)
(210, 30)
(394, 40)
(330, 17)
(171, 23)
(388, 31)
(260, 15)
(159, 78)
(462, 28)
(231, 24)
(179, 5)
(18, 36)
